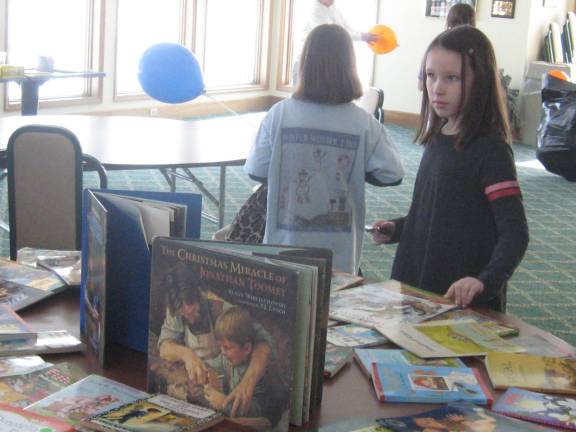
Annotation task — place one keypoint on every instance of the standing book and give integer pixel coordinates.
(118, 228)
(429, 384)
(16, 419)
(532, 372)
(202, 290)
(558, 411)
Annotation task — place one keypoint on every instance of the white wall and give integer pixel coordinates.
(516, 42)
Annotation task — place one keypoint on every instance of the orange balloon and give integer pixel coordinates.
(386, 39)
(559, 74)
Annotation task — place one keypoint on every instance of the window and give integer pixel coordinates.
(228, 37)
(66, 30)
(360, 19)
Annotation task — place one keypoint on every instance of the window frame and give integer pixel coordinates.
(92, 93)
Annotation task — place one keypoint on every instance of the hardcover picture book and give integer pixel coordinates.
(372, 306)
(16, 419)
(540, 345)
(205, 295)
(47, 342)
(29, 276)
(447, 339)
(354, 336)
(66, 264)
(18, 296)
(429, 384)
(11, 366)
(158, 412)
(458, 416)
(12, 327)
(532, 372)
(499, 328)
(118, 228)
(87, 397)
(366, 356)
(336, 359)
(558, 411)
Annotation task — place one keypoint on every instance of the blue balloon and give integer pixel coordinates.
(170, 73)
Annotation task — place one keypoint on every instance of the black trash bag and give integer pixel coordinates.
(557, 131)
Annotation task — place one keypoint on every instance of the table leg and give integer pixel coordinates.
(30, 97)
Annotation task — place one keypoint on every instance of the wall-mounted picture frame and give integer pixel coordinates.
(439, 8)
(503, 8)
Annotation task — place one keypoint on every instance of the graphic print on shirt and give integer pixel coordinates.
(315, 173)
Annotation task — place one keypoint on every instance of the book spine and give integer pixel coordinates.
(377, 383)
(483, 385)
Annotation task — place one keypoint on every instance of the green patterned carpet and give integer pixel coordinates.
(543, 289)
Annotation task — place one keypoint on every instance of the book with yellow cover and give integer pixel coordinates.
(532, 372)
(448, 338)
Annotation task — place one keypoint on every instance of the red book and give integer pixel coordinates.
(17, 419)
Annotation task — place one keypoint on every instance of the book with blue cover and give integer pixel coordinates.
(553, 410)
(354, 336)
(428, 384)
(365, 357)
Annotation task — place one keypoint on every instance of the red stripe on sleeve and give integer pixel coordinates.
(502, 185)
(503, 193)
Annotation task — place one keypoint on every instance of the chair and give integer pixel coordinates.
(372, 101)
(45, 188)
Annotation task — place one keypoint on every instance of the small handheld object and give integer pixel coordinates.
(386, 230)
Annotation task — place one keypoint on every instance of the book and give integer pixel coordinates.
(66, 264)
(540, 345)
(373, 306)
(448, 338)
(157, 412)
(90, 396)
(16, 419)
(14, 328)
(402, 288)
(29, 276)
(118, 227)
(558, 411)
(23, 390)
(342, 280)
(11, 366)
(265, 291)
(19, 296)
(353, 425)
(457, 416)
(532, 372)
(429, 384)
(47, 342)
(366, 356)
(499, 328)
(336, 359)
(354, 336)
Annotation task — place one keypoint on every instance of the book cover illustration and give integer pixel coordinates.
(18, 296)
(541, 408)
(12, 327)
(342, 280)
(499, 328)
(22, 390)
(538, 344)
(158, 413)
(87, 397)
(372, 306)
(429, 384)
(336, 359)
(458, 416)
(33, 277)
(354, 336)
(66, 264)
(11, 366)
(47, 342)
(539, 373)
(223, 312)
(16, 419)
(447, 339)
(365, 357)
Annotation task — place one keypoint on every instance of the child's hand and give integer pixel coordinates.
(196, 369)
(464, 290)
(214, 397)
(383, 231)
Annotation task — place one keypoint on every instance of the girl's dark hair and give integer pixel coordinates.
(461, 14)
(327, 71)
(483, 110)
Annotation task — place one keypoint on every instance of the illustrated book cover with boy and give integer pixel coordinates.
(354, 336)
(429, 384)
(219, 318)
(532, 372)
(458, 416)
(87, 397)
(553, 410)
(155, 413)
(16, 419)
(372, 306)
(366, 356)
(448, 338)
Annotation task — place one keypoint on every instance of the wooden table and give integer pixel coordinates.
(348, 395)
(121, 143)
